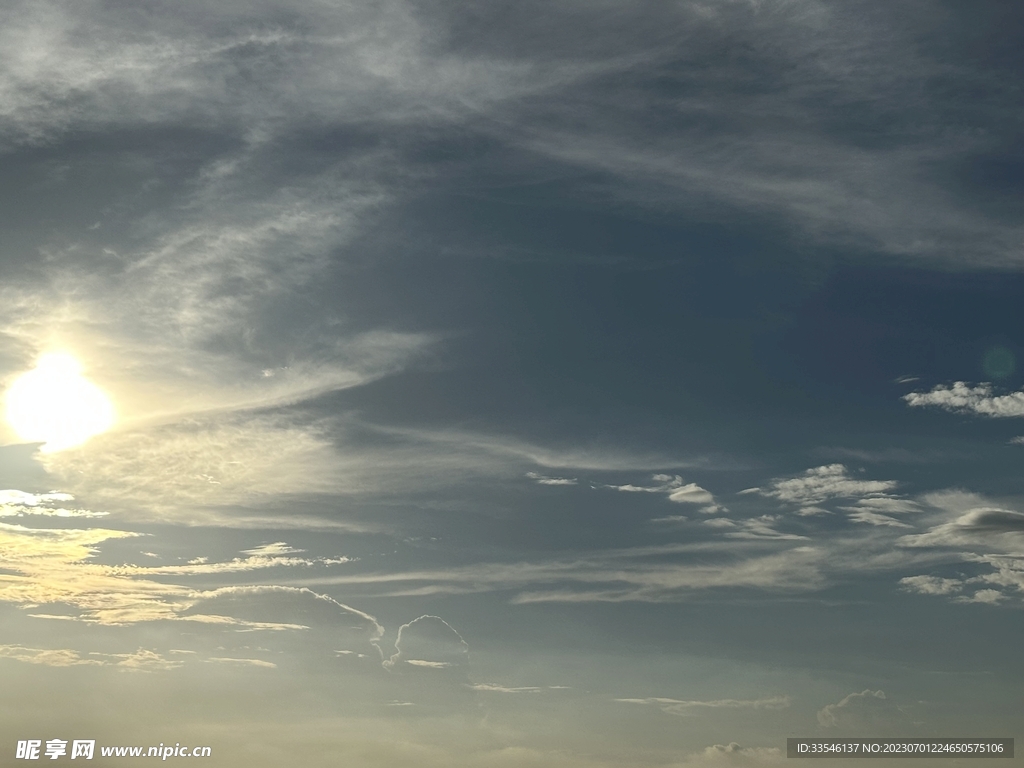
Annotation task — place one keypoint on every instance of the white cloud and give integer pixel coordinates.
(495, 688)
(677, 490)
(429, 642)
(142, 660)
(931, 585)
(832, 714)
(762, 527)
(633, 574)
(986, 596)
(15, 503)
(820, 484)
(985, 526)
(23, 499)
(272, 550)
(732, 755)
(684, 708)
(884, 504)
(691, 493)
(962, 398)
(241, 662)
(544, 480)
(867, 712)
(874, 518)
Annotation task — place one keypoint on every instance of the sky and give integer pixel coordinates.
(511, 385)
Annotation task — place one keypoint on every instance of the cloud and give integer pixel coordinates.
(272, 550)
(241, 662)
(874, 518)
(141, 660)
(884, 504)
(986, 596)
(429, 642)
(495, 688)
(732, 755)
(685, 708)
(820, 484)
(23, 499)
(865, 712)
(670, 520)
(544, 480)
(757, 528)
(633, 574)
(829, 717)
(291, 608)
(986, 526)
(15, 503)
(931, 585)
(962, 398)
(208, 462)
(56, 568)
(677, 491)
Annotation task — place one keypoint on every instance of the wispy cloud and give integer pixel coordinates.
(637, 574)
(496, 688)
(545, 480)
(14, 503)
(686, 708)
(141, 660)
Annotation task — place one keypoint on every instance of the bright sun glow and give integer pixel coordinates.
(55, 405)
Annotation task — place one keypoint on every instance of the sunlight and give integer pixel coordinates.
(55, 405)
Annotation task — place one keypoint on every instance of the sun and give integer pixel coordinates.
(56, 405)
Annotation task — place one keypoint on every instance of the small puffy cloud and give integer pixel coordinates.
(987, 596)
(819, 484)
(1006, 573)
(962, 398)
(691, 493)
(545, 480)
(931, 585)
(429, 642)
(732, 755)
(865, 712)
(830, 715)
